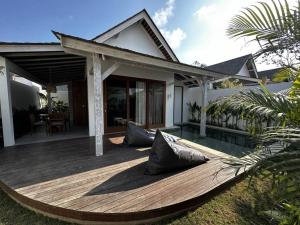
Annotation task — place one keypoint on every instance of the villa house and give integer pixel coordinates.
(242, 66)
(128, 73)
(124, 74)
(268, 75)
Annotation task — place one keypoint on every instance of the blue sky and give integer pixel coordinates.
(194, 28)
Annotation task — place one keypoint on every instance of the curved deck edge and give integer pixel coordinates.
(142, 217)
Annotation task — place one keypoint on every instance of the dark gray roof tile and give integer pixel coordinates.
(232, 66)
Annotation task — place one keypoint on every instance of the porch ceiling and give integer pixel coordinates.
(56, 67)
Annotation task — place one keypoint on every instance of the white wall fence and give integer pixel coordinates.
(24, 96)
(194, 95)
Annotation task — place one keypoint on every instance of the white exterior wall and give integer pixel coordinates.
(190, 95)
(23, 96)
(214, 94)
(244, 71)
(62, 94)
(194, 94)
(136, 39)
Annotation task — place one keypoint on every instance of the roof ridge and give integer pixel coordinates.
(248, 55)
(124, 21)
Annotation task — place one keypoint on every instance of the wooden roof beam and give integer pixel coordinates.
(71, 42)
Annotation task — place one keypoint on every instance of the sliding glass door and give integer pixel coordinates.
(139, 100)
(116, 104)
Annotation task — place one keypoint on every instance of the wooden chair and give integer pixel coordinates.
(56, 122)
(34, 123)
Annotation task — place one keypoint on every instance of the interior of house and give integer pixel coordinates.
(51, 105)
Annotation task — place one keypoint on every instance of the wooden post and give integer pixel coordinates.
(6, 104)
(203, 108)
(98, 99)
(91, 95)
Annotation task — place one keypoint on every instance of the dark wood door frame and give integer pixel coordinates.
(80, 101)
(181, 104)
(128, 79)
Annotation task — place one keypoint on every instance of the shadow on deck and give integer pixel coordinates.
(64, 179)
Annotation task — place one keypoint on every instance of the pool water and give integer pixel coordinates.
(230, 143)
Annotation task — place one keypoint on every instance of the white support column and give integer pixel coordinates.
(203, 108)
(91, 95)
(6, 105)
(99, 123)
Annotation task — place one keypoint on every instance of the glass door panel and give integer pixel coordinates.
(137, 102)
(156, 99)
(116, 105)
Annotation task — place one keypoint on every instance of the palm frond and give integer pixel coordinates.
(257, 103)
(271, 25)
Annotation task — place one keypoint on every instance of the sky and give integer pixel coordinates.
(195, 29)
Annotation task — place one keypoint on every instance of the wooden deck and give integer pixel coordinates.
(64, 179)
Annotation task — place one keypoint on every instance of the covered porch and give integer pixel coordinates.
(113, 85)
(56, 84)
(104, 61)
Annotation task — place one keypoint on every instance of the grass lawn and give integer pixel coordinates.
(233, 206)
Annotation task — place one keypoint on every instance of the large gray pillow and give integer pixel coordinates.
(137, 136)
(166, 156)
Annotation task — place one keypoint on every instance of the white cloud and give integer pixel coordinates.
(162, 15)
(174, 37)
(161, 18)
(205, 11)
(212, 45)
(209, 43)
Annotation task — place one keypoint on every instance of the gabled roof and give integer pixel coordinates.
(144, 18)
(232, 66)
(129, 56)
(268, 74)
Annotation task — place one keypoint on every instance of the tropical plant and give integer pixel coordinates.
(196, 63)
(43, 100)
(195, 111)
(278, 151)
(275, 27)
(59, 106)
(230, 84)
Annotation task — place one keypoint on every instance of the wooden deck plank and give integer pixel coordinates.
(66, 179)
(155, 193)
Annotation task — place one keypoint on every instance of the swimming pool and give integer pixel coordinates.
(230, 143)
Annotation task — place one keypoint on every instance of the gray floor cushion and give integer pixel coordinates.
(166, 156)
(137, 136)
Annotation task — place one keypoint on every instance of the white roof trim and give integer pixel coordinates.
(123, 25)
(30, 48)
(236, 77)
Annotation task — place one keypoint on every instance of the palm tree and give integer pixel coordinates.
(278, 151)
(275, 27)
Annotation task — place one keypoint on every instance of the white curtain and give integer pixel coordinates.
(140, 103)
